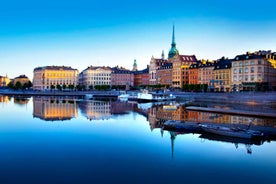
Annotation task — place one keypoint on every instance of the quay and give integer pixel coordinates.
(233, 112)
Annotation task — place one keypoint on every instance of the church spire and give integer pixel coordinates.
(173, 38)
(173, 50)
(163, 55)
(134, 65)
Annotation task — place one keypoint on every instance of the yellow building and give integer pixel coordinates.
(222, 80)
(254, 71)
(54, 109)
(23, 79)
(4, 81)
(49, 77)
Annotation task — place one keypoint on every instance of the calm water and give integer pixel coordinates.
(65, 140)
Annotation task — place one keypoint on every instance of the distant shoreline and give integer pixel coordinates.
(249, 98)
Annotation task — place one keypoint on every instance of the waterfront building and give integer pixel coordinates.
(122, 77)
(141, 77)
(164, 74)
(48, 77)
(222, 71)
(95, 75)
(155, 64)
(193, 74)
(22, 79)
(180, 65)
(4, 81)
(206, 74)
(254, 71)
(54, 109)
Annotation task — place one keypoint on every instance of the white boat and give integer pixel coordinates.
(154, 97)
(123, 96)
(231, 132)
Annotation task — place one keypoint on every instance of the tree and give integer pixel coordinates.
(64, 86)
(91, 87)
(18, 85)
(58, 87)
(71, 87)
(52, 87)
(11, 86)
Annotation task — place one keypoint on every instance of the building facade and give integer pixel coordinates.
(48, 77)
(164, 74)
(206, 74)
(180, 71)
(193, 74)
(95, 75)
(254, 71)
(122, 77)
(155, 64)
(4, 81)
(22, 79)
(222, 71)
(141, 77)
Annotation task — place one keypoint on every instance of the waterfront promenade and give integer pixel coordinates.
(248, 98)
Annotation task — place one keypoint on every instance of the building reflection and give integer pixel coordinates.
(102, 110)
(158, 115)
(21, 100)
(4, 99)
(54, 108)
(95, 110)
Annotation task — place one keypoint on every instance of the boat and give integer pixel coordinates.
(123, 96)
(145, 95)
(231, 132)
(182, 126)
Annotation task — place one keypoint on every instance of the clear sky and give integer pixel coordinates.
(80, 33)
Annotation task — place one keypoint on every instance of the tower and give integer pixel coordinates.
(134, 65)
(173, 51)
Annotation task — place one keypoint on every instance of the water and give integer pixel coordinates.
(65, 140)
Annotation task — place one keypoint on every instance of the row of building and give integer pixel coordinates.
(250, 71)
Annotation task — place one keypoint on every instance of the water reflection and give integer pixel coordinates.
(4, 99)
(66, 108)
(54, 108)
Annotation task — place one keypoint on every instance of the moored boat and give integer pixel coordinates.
(145, 95)
(231, 132)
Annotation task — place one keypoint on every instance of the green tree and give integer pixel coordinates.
(52, 87)
(11, 85)
(91, 87)
(58, 87)
(71, 87)
(64, 86)
(18, 85)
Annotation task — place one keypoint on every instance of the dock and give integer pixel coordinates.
(233, 112)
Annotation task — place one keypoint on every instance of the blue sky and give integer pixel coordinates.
(80, 33)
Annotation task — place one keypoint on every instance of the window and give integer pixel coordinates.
(246, 78)
(240, 78)
(246, 70)
(259, 69)
(252, 70)
(240, 70)
(235, 64)
(252, 62)
(240, 63)
(246, 63)
(252, 78)
(259, 62)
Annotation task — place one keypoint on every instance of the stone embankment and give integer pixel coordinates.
(249, 98)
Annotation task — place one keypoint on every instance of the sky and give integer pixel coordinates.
(81, 33)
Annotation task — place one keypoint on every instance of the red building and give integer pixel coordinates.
(122, 77)
(141, 77)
